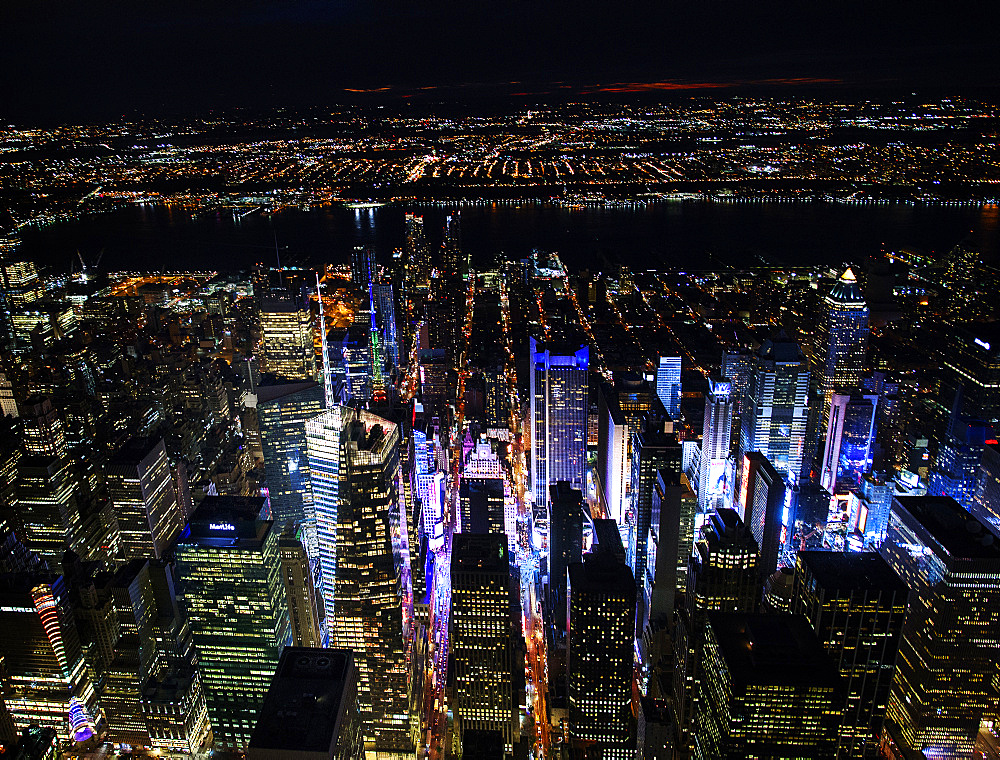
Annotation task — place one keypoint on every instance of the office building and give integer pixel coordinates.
(777, 407)
(769, 690)
(668, 385)
(484, 619)
(310, 711)
(856, 605)
(141, 487)
(613, 463)
(715, 440)
(652, 450)
(970, 377)
(288, 339)
(566, 516)
(656, 730)
(738, 366)
(763, 502)
(418, 254)
(354, 460)
(723, 576)
(305, 605)
(229, 576)
(948, 654)
(868, 509)
(956, 469)
(843, 337)
(282, 411)
(558, 416)
(850, 437)
(453, 261)
(669, 547)
(600, 655)
(481, 505)
(363, 268)
(45, 679)
(986, 505)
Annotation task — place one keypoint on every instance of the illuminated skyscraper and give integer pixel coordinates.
(764, 508)
(843, 337)
(850, 436)
(418, 255)
(385, 319)
(669, 547)
(613, 463)
(45, 679)
(305, 606)
(715, 441)
(145, 503)
(282, 411)
(652, 450)
(956, 470)
(668, 385)
(723, 576)
(363, 268)
(354, 462)
(453, 260)
(769, 690)
(229, 574)
(856, 605)
(483, 625)
(288, 339)
(558, 417)
(948, 656)
(600, 655)
(777, 407)
(311, 709)
(481, 505)
(970, 376)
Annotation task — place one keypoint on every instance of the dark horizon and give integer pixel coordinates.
(67, 62)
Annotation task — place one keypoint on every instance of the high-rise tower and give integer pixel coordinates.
(558, 416)
(668, 384)
(715, 441)
(843, 337)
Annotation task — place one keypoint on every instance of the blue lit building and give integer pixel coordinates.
(956, 471)
(558, 417)
(668, 384)
(776, 407)
(282, 411)
(850, 436)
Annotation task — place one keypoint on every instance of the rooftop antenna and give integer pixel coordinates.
(327, 378)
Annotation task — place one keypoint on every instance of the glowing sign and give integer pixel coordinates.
(221, 526)
(982, 343)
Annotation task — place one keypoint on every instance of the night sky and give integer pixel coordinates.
(72, 59)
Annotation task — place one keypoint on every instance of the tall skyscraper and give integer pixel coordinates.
(229, 573)
(843, 337)
(738, 366)
(777, 407)
(769, 690)
(483, 625)
(354, 462)
(723, 576)
(856, 605)
(715, 441)
(652, 450)
(453, 260)
(764, 507)
(565, 541)
(305, 605)
(970, 377)
(668, 385)
(282, 411)
(669, 546)
(481, 505)
(141, 487)
(948, 655)
(613, 464)
(310, 711)
(600, 635)
(288, 339)
(45, 679)
(956, 470)
(363, 268)
(558, 416)
(418, 255)
(850, 436)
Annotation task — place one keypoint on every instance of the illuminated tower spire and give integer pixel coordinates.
(327, 378)
(378, 380)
